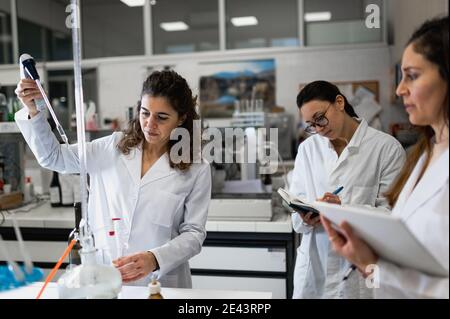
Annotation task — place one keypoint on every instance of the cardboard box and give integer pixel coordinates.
(11, 200)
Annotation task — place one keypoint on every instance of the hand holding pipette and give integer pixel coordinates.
(32, 98)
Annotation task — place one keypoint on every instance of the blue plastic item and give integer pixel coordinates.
(8, 281)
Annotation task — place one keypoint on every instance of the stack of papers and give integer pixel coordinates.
(388, 235)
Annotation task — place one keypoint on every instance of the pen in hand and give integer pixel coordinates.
(349, 272)
(332, 198)
(338, 190)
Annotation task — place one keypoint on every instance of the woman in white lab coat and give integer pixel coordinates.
(162, 204)
(346, 153)
(421, 193)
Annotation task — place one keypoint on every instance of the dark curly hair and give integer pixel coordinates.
(175, 89)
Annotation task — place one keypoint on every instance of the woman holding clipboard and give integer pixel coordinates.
(420, 195)
(343, 151)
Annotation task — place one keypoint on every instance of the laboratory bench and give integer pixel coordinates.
(133, 292)
(242, 255)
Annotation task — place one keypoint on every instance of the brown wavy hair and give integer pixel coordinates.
(431, 40)
(170, 85)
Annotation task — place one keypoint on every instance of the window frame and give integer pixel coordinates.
(149, 35)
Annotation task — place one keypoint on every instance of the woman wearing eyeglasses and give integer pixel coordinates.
(342, 151)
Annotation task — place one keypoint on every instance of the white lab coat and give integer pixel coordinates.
(365, 169)
(425, 210)
(164, 212)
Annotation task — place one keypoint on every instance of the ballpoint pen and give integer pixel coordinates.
(338, 190)
(348, 272)
(352, 267)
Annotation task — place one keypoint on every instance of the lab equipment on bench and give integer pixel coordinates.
(154, 288)
(74, 254)
(235, 207)
(242, 175)
(95, 277)
(22, 248)
(12, 275)
(116, 250)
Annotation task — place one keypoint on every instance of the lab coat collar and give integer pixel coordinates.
(353, 145)
(357, 138)
(160, 169)
(434, 179)
(133, 163)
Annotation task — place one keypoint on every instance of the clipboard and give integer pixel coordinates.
(296, 203)
(388, 235)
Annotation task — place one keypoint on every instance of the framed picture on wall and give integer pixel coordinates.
(224, 83)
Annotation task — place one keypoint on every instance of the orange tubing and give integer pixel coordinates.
(55, 269)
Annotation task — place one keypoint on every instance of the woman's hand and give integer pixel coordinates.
(136, 266)
(313, 221)
(330, 198)
(350, 246)
(27, 91)
(309, 220)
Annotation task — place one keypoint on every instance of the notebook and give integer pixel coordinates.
(388, 235)
(296, 203)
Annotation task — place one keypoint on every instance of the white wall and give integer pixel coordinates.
(407, 15)
(120, 82)
(10, 74)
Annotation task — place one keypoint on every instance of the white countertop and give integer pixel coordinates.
(42, 216)
(45, 216)
(133, 292)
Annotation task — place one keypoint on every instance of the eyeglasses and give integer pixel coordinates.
(321, 121)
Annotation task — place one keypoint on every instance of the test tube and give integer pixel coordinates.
(114, 233)
(23, 250)
(260, 107)
(247, 105)
(237, 106)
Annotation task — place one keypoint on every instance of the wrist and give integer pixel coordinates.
(154, 261)
(367, 267)
(32, 113)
